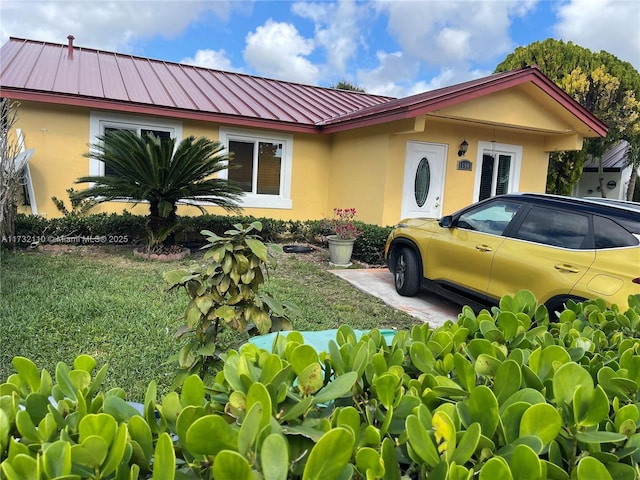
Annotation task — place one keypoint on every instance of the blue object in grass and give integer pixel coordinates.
(318, 340)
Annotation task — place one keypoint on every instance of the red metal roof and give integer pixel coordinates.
(87, 77)
(57, 73)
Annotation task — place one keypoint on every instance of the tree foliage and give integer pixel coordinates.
(346, 85)
(605, 85)
(156, 171)
(11, 175)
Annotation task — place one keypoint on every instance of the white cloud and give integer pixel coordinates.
(216, 59)
(336, 30)
(278, 50)
(610, 25)
(392, 68)
(107, 25)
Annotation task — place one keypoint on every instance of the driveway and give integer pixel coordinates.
(378, 282)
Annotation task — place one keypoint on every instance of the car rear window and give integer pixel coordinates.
(558, 228)
(608, 234)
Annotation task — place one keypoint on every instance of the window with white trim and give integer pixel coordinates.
(101, 123)
(498, 169)
(261, 164)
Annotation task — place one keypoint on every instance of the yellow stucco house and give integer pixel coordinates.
(303, 149)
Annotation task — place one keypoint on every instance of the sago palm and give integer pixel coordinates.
(153, 170)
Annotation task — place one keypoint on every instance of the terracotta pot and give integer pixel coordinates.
(340, 250)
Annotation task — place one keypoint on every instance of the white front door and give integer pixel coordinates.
(423, 180)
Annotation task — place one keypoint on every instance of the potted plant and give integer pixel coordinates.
(341, 243)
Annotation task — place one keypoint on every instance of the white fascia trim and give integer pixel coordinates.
(252, 200)
(97, 119)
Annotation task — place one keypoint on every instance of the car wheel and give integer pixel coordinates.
(406, 273)
(557, 304)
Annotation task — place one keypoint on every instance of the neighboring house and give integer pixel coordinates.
(304, 150)
(615, 172)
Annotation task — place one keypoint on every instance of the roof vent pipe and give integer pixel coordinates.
(70, 38)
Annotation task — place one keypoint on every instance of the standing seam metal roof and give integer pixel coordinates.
(52, 69)
(79, 76)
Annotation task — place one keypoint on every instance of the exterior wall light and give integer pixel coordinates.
(463, 148)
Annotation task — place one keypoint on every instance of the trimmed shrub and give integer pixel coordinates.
(506, 394)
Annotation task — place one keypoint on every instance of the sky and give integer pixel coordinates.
(395, 48)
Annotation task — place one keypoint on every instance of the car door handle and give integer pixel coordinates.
(566, 268)
(484, 248)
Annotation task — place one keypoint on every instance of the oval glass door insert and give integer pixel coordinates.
(422, 182)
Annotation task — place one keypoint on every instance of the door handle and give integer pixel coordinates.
(566, 268)
(484, 248)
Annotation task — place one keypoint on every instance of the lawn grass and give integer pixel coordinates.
(117, 309)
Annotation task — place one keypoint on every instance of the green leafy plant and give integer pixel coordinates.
(505, 394)
(225, 292)
(78, 206)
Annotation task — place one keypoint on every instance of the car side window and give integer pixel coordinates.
(492, 217)
(608, 234)
(555, 227)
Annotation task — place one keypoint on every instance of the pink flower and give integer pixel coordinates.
(343, 223)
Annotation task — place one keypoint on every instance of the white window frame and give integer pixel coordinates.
(98, 121)
(255, 200)
(493, 148)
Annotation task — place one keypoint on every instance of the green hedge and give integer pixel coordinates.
(131, 229)
(509, 394)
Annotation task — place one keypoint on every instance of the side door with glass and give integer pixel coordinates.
(462, 255)
(548, 254)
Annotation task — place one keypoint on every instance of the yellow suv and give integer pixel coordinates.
(560, 248)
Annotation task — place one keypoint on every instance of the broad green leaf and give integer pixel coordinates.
(421, 441)
(117, 451)
(483, 408)
(57, 459)
(84, 362)
(507, 381)
(249, 428)
(231, 465)
(339, 387)
(90, 453)
(495, 468)
(141, 433)
(369, 462)
(566, 379)
(101, 425)
(464, 371)
(210, 435)
(164, 460)
(258, 248)
(390, 459)
(258, 393)
(486, 365)
(385, 387)
(310, 379)
(525, 464)
(590, 406)
(422, 357)
(119, 409)
(275, 466)
(467, 444)
(541, 420)
(600, 437)
(22, 467)
(28, 372)
(192, 392)
(590, 468)
(301, 357)
(337, 445)
(511, 418)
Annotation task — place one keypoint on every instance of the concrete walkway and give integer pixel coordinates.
(378, 282)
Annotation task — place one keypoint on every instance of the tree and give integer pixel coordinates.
(346, 85)
(606, 86)
(10, 171)
(153, 170)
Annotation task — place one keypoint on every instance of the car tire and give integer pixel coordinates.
(557, 304)
(406, 273)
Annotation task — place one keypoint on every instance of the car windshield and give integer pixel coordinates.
(492, 217)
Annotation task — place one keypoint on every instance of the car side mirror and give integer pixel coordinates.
(446, 222)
